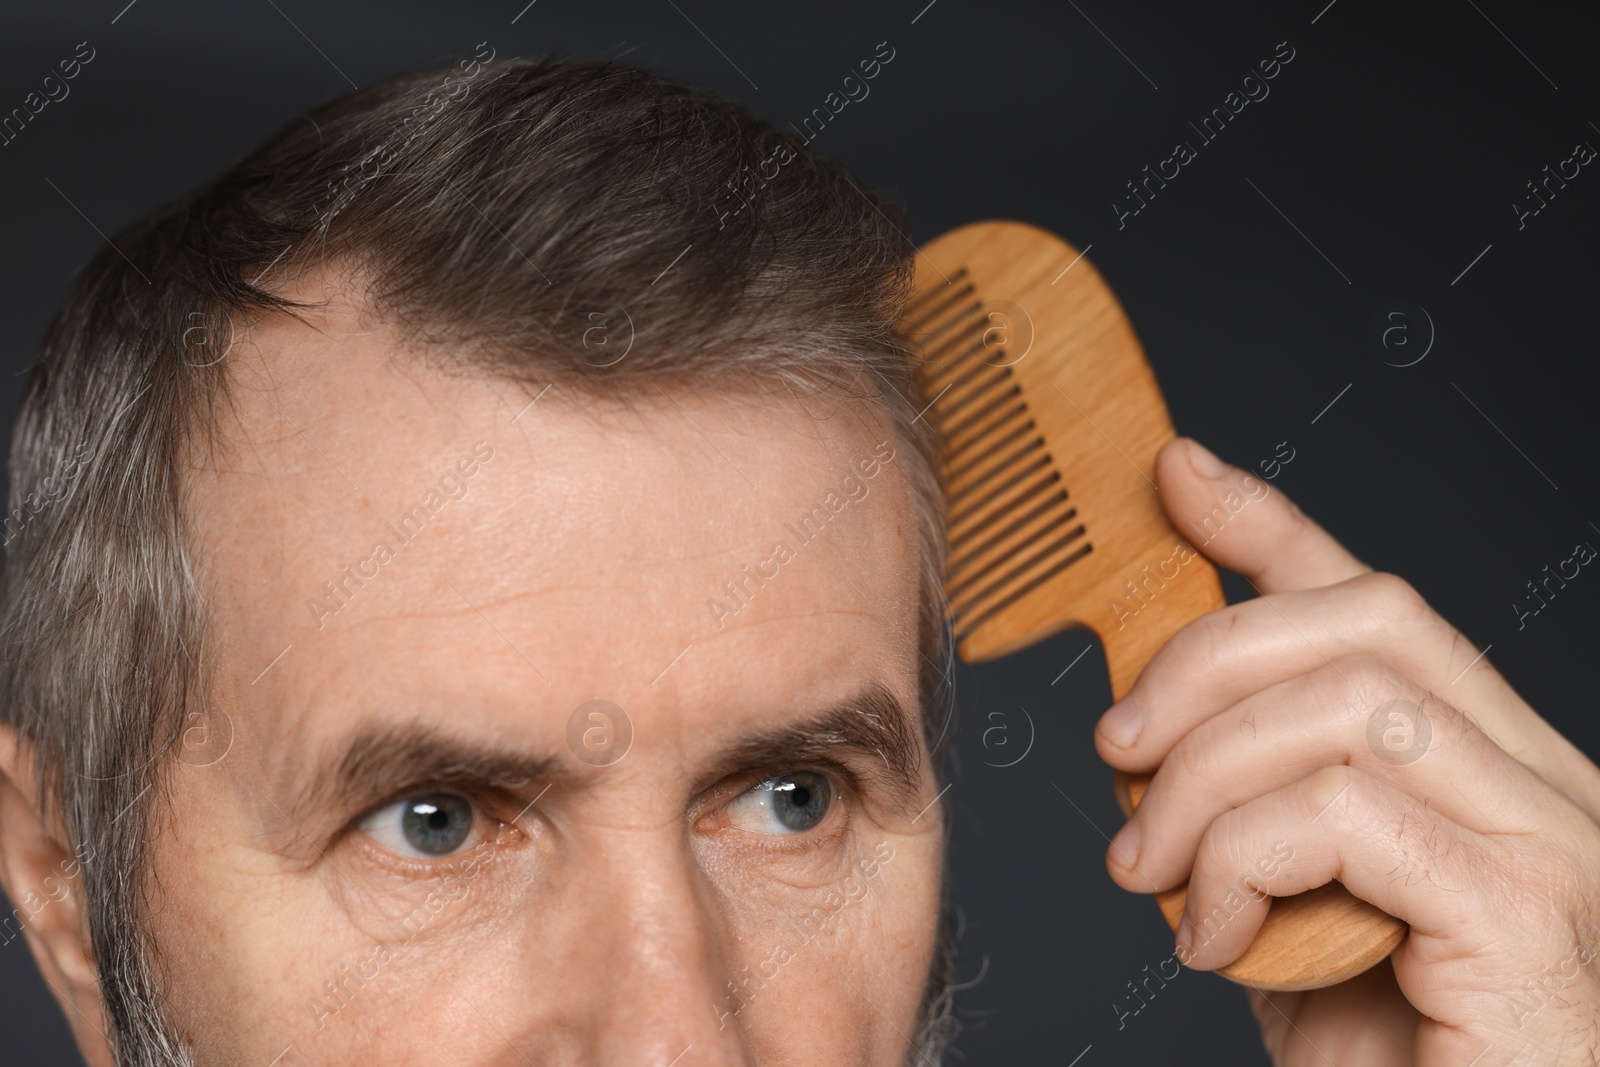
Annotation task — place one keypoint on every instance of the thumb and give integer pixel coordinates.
(1240, 522)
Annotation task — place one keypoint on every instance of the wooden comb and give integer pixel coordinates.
(1051, 419)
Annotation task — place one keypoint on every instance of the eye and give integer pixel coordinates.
(790, 804)
(425, 826)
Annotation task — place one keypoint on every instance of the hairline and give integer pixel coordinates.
(166, 610)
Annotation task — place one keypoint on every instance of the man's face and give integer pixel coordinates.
(424, 845)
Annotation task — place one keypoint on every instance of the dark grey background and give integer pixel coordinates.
(1386, 158)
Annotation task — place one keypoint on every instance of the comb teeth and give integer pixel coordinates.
(1011, 524)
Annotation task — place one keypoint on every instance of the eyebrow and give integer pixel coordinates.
(380, 759)
(871, 722)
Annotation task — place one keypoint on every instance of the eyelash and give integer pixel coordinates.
(846, 785)
(484, 801)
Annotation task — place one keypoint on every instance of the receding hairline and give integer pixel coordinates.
(517, 183)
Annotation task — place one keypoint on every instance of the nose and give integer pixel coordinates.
(666, 947)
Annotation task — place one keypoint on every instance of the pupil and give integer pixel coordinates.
(801, 801)
(437, 824)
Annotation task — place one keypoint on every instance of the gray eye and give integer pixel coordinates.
(432, 824)
(790, 804)
(437, 823)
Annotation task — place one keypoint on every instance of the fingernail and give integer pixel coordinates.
(1121, 724)
(1204, 461)
(1125, 843)
(1185, 938)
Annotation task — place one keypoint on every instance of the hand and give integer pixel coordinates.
(1459, 810)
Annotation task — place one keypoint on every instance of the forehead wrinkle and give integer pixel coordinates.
(736, 627)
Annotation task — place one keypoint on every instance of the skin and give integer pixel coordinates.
(1485, 839)
(600, 911)
(604, 918)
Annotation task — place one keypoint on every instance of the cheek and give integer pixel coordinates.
(244, 948)
(804, 956)
(903, 902)
(262, 962)
(330, 960)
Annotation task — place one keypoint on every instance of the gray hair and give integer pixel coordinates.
(490, 207)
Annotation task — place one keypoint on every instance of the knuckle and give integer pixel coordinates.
(1223, 636)
(1396, 599)
(1207, 641)
(1447, 720)
(1223, 841)
(1193, 764)
(1366, 680)
(1202, 649)
(1428, 852)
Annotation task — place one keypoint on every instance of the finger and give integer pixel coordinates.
(1220, 658)
(1313, 1027)
(1342, 823)
(1353, 711)
(1240, 522)
(1216, 660)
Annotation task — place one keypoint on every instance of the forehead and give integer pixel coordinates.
(378, 536)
